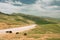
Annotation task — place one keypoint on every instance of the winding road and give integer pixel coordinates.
(19, 29)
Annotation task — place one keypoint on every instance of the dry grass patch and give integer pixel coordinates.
(28, 36)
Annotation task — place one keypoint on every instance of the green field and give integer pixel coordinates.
(44, 25)
(54, 39)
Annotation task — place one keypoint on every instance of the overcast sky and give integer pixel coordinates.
(49, 8)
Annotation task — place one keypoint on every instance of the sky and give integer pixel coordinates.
(50, 8)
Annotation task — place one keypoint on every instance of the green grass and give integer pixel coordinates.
(7, 18)
(43, 25)
(48, 28)
(54, 39)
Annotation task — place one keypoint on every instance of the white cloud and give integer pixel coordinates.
(8, 8)
(39, 7)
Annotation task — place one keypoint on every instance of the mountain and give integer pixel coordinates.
(36, 19)
(44, 24)
(10, 21)
(20, 19)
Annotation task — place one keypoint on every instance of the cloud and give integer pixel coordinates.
(4, 7)
(51, 4)
(9, 8)
(28, 1)
(39, 7)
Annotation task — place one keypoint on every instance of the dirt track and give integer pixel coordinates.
(19, 29)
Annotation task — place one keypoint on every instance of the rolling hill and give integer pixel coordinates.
(46, 27)
(11, 21)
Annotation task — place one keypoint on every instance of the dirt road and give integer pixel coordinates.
(19, 29)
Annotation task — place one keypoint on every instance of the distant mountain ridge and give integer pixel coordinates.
(17, 16)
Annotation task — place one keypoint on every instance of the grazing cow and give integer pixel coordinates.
(17, 32)
(8, 31)
(25, 34)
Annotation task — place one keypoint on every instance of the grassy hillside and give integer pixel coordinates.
(46, 27)
(19, 19)
(36, 19)
(10, 21)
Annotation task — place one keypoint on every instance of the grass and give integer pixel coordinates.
(43, 29)
(12, 20)
(54, 39)
(43, 26)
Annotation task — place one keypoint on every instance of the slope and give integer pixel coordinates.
(44, 25)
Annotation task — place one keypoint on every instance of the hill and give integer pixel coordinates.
(11, 21)
(18, 19)
(46, 27)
